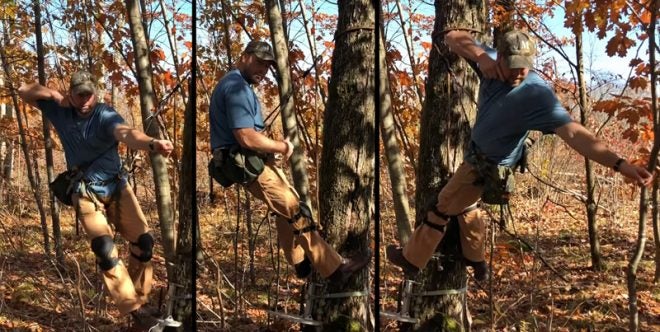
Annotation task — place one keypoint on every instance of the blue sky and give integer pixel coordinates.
(596, 57)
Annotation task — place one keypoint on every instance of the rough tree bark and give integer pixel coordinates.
(34, 185)
(48, 140)
(144, 72)
(287, 104)
(392, 152)
(347, 162)
(449, 107)
(184, 258)
(6, 143)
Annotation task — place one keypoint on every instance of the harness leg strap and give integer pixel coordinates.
(303, 221)
(439, 227)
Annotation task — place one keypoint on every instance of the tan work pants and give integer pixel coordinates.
(459, 194)
(272, 188)
(130, 287)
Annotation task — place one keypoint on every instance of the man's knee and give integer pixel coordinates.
(303, 221)
(102, 247)
(146, 245)
(435, 218)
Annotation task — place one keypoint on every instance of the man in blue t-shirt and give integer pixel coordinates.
(512, 101)
(89, 132)
(236, 124)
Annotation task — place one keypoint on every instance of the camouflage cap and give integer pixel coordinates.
(518, 49)
(261, 49)
(82, 83)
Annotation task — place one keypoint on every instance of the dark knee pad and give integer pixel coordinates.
(102, 247)
(442, 228)
(146, 244)
(303, 221)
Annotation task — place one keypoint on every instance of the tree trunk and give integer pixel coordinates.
(393, 154)
(590, 204)
(7, 153)
(182, 279)
(280, 48)
(34, 184)
(347, 162)
(8, 161)
(226, 38)
(656, 230)
(636, 257)
(177, 73)
(48, 140)
(151, 128)
(449, 107)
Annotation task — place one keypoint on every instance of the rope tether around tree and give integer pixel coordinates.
(352, 29)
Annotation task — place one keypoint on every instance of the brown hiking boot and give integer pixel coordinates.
(395, 256)
(304, 268)
(348, 267)
(480, 270)
(143, 317)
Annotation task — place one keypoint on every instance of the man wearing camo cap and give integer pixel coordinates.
(513, 99)
(236, 124)
(89, 132)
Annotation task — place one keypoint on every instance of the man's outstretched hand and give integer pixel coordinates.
(640, 175)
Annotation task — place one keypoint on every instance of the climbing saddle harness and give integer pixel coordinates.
(497, 181)
(236, 165)
(68, 182)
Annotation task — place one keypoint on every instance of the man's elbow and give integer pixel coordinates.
(22, 91)
(243, 140)
(25, 92)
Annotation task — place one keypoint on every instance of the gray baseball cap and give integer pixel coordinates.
(261, 49)
(82, 82)
(518, 48)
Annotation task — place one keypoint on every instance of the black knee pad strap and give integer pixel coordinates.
(303, 212)
(307, 229)
(437, 227)
(146, 244)
(434, 209)
(102, 247)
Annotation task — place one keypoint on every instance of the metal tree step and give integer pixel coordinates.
(295, 318)
(399, 317)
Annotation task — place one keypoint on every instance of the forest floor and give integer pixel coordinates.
(38, 296)
(527, 295)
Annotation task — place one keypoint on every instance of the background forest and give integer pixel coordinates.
(564, 259)
(141, 54)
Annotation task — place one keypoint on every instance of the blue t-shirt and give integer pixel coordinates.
(88, 140)
(233, 105)
(506, 114)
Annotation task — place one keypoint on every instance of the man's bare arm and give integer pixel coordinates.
(137, 140)
(254, 140)
(30, 93)
(584, 142)
(463, 44)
